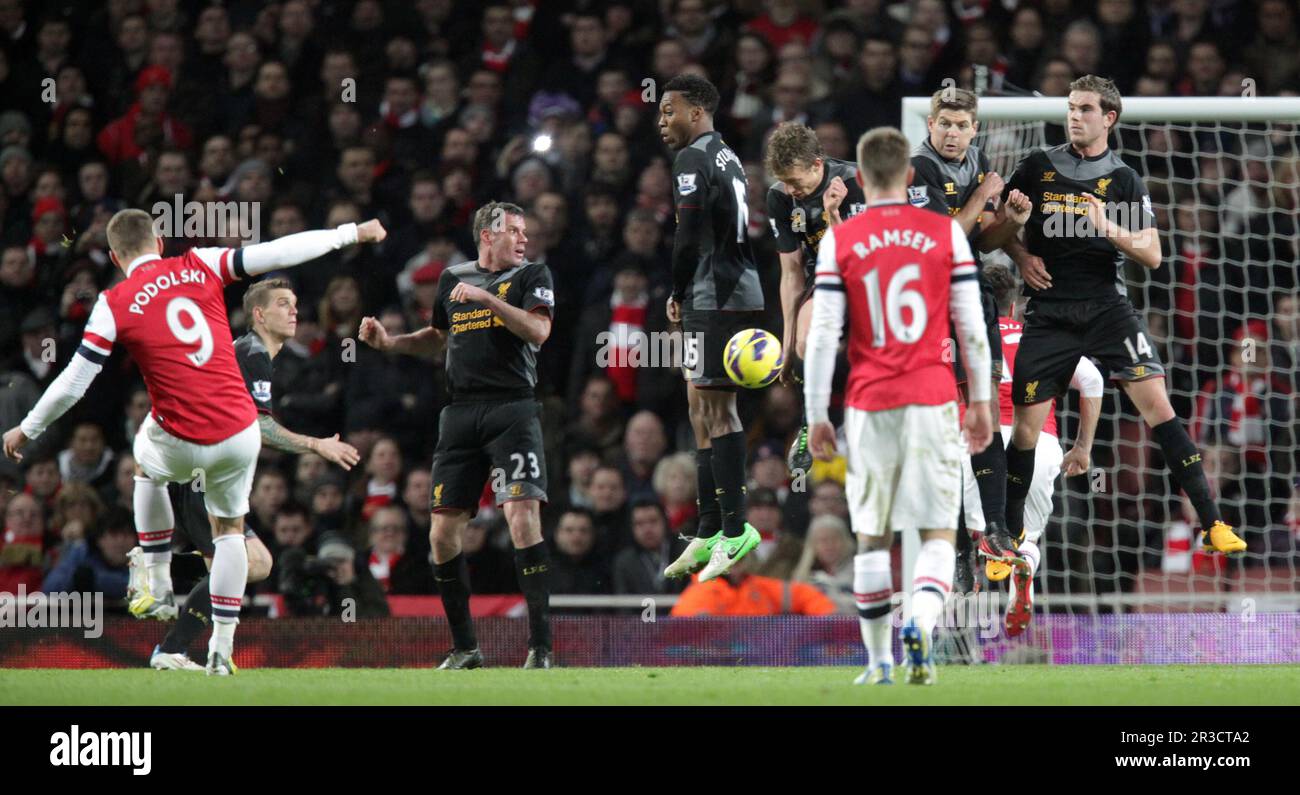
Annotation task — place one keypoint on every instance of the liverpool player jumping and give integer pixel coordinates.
(813, 193)
(898, 274)
(171, 316)
(716, 293)
(952, 177)
(1074, 275)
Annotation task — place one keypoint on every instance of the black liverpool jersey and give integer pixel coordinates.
(484, 358)
(255, 365)
(800, 223)
(1082, 264)
(945, 186)
(713, 263)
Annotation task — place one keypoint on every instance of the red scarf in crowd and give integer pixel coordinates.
(626, 321)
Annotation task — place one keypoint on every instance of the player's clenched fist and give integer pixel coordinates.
(821, 440)
(1017, 207)
(833, 195)
(992, 185)
(371, 232)
(14, 441)
(374, 334)
(466, 293)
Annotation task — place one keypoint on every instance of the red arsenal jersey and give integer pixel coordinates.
(171, 316)
(897, 263)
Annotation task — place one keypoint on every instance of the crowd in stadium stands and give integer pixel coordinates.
(319, 112)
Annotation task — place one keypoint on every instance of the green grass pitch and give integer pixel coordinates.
(1196, 685)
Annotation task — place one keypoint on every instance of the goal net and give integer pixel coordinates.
(1221, 311)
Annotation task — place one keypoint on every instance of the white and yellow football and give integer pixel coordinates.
(752, 358)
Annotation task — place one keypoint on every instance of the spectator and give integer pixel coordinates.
(395, 569)
(22, 550)
(597, 424)
(97, 563)
(384, 471)
(491, 568)
(87, 459)
(876, 101)
(335, 586)
(741, 593)
(146, 124)
(270, 492)
(43, 481)
(827, 561)
(639, 568)
(644, 444)
(675, 486)
(609, 508)
(77, 510)
(576, 567)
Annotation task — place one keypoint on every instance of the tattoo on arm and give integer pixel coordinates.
(280, 437)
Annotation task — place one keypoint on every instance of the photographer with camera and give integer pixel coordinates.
(329, 582)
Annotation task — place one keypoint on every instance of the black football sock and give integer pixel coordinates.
(453, 587)
(990, 467)
(1020, 473)
(706, 501)
(192, 621)
(1183, 459)
(532, 566)
(729, 474)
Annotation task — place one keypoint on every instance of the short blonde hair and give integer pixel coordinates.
(130, 234)
(683, 463)
(883, 157)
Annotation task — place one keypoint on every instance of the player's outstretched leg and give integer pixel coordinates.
(229, 578)
(532, 564)
(931, 584)
(451, 572)
(872, 589)
(149, 595)
(173, 652)
(1184, 461)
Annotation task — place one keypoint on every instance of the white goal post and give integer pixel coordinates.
(1124, 548)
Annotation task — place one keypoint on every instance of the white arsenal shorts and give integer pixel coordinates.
(226, 468)
(904, 468)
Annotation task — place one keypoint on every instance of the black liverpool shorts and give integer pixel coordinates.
(496, 441)
(708, 332)
(191, 517)
(1058, 333)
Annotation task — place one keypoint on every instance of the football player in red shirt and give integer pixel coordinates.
(170, 313)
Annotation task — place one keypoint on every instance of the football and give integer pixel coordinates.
(753, 358)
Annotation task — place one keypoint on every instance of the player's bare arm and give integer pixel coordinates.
(1006, 224)
(793, 283)
(301, 247)
(1142, 247)
(1032, 268)
(425, 342)
(332, 448)
(1088, 381)
(530, 326)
